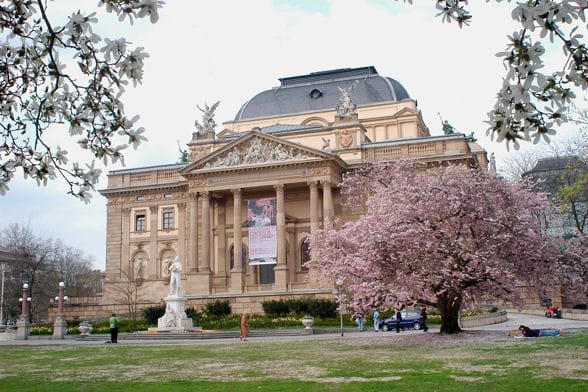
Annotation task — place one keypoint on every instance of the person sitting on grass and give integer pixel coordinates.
(534, 333)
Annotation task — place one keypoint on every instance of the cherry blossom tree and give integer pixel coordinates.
(531, 101)
(55, 74)
(445, 236)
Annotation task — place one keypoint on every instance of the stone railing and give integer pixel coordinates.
(483, 319)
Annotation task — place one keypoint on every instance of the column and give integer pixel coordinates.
(152, 266)
(205, 266)
(181, 236)
(237, 234)
(314, 206)
(193, 244)
(314, 226)
(327, 205)
(237, 272)
(281, 268)
(125, 242)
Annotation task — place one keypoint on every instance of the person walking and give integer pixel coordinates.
(114, 325)
(376, 320)
(359, 321)
(424, 319)
(244, 334)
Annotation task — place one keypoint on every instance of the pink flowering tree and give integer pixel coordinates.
(439, 236)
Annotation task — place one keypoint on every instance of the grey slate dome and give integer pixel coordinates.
(318, 91)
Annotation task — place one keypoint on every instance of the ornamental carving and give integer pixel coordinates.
(257, 151)
(197, 183)
(318, 171)
(345, 138)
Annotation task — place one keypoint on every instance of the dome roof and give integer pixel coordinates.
(319, 91)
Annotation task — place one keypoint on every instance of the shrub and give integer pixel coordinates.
(153, 313)
(218, 308)
(322, 308)
(276, 308)
(299, 307)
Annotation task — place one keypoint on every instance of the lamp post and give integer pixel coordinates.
(60, 325)
(337, 292)
(23, 325)
(3, 269)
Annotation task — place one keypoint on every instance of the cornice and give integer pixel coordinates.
(152, 188)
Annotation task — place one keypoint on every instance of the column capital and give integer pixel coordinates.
(312, 184)
(193, 195)
(279, 188)
(181, 206)
(237, 191)
(326, 183)
(126, 211)
(204, 194)
(153, 209)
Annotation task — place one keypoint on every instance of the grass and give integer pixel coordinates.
(418, 362)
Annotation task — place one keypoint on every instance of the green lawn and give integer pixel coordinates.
(417, 362)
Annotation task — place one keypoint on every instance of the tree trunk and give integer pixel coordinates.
(449, 304)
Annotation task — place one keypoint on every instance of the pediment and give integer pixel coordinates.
(405, 112)
(256, 149)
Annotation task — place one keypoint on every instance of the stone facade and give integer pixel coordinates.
(198, 210)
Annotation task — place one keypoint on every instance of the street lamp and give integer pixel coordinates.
(3, 269)
(60, 325)
(22, 325)
(337, 293)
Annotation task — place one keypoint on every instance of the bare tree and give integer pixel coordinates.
(43, 263)
(129, 291)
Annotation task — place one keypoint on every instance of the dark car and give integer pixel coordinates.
(409, 320)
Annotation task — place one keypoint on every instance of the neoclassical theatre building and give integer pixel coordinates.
(239, 206)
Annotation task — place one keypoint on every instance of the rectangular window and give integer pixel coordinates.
(140, 198)
(168, 196)
(168, 219)
(140, 223)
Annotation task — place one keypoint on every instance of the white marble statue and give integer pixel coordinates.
(175, 279)
(345, 107)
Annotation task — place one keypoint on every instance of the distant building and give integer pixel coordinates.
(277, 163)
(550, 175)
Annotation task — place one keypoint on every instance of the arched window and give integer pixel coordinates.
(304, 254)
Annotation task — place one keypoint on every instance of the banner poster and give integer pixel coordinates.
(263, 242)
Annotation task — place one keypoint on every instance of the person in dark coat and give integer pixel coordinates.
(424, 319)
(398, 320)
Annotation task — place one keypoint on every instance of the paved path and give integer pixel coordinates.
(511, 324)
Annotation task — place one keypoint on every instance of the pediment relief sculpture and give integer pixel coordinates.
(257, 151)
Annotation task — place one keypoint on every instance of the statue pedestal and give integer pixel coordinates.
(175, 318)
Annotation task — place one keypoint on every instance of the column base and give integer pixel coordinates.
(23, 329)
(59, 328)
(237, 282)
(281, 282)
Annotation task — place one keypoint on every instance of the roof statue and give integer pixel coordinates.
(208, 123)
(184, 156)
(492, 164)
(345, 107)
(448, 129)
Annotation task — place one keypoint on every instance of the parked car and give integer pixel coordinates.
(409, 320)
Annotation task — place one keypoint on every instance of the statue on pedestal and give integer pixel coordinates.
(175, 277)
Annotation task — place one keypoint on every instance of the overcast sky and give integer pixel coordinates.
(231, 50)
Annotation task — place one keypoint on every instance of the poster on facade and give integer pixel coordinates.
(263, 242)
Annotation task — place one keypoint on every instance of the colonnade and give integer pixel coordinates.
(203, 265)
